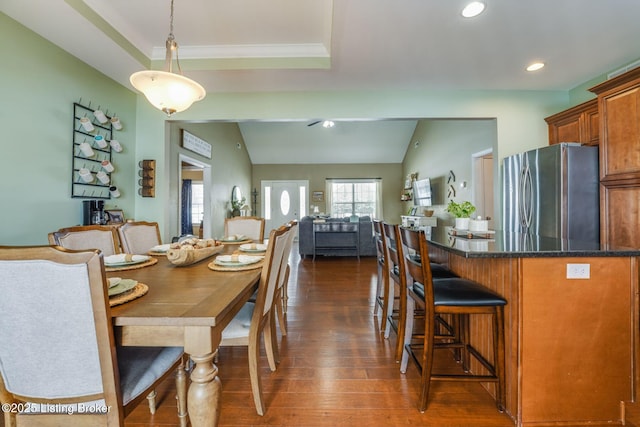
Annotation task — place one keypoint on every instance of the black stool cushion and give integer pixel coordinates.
(462, 292)
(438, 271)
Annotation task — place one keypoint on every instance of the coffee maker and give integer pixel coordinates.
(93, 212)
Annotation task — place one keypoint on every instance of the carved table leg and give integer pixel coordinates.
(181, 387)
(203, 398)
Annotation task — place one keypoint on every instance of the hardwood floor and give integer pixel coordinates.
(336, 369)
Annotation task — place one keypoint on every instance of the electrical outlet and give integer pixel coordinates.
(578, 271)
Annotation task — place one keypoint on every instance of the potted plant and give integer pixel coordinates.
(236, 206)
(462, 212)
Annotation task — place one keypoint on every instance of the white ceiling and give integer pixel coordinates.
(316, 45)
(375, 141)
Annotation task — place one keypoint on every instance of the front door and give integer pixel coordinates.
(284, 201)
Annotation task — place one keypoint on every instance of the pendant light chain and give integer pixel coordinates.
(171, 22)
(171, 40)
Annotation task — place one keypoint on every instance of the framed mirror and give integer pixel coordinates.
(236, 200)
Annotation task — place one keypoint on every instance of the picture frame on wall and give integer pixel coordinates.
(317, 196)
(115, 216)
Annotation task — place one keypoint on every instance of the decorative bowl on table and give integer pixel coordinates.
(193, 250)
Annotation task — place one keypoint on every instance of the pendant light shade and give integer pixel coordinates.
(168, 91)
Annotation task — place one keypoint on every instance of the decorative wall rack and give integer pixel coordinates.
(92, 167)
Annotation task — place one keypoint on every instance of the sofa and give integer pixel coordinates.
(336, 237)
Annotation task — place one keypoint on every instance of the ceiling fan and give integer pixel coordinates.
(325, 123)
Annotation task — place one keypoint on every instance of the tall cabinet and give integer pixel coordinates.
(619, 108)
(578, 124)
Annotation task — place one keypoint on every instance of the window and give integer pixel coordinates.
(267, 202)
(197, 202)
(361, 197)
(303, 200)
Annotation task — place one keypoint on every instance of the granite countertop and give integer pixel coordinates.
(517, 245)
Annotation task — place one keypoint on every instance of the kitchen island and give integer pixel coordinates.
(571, 323)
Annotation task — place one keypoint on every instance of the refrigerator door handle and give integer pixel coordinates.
(527, 195)
(522, 205)
(525, 203)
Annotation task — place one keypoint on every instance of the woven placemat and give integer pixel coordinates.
(152, 253)
(216, 267)
(147, 263)
(138, 290)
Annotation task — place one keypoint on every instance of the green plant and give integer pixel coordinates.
(461, 210)
(237, 204)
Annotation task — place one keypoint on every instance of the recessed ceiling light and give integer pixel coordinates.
(328, 124)
(474, 8)
(535, 66)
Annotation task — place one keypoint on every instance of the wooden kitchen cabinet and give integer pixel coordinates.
(620, 213)
(577, 124)
(619, 106)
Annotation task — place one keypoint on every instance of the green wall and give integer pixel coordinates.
(448, 145)
(39, 86)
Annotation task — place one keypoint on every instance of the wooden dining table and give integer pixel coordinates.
(185, 306)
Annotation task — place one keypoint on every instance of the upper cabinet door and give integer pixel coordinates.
(621, 133)
(619, 106)
(577, 124)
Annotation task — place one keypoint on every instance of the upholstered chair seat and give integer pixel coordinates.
(462, 292)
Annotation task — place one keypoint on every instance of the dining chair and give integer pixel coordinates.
(254, 320)
(280, 298)
(139, 237)
(83, 237)
(382, 289)
(460, 298)
(58, 348)
(250, 226)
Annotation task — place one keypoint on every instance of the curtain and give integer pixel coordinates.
(328, 197)
(185, 216)
(378, 214)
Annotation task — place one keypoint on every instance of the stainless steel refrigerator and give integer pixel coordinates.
(553, 192)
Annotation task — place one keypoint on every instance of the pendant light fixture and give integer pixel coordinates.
(168, 91)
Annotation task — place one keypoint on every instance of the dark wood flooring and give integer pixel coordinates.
(336, 369)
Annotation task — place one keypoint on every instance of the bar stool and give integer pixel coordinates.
(397, 319)
(459, 298)
(382, 290)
